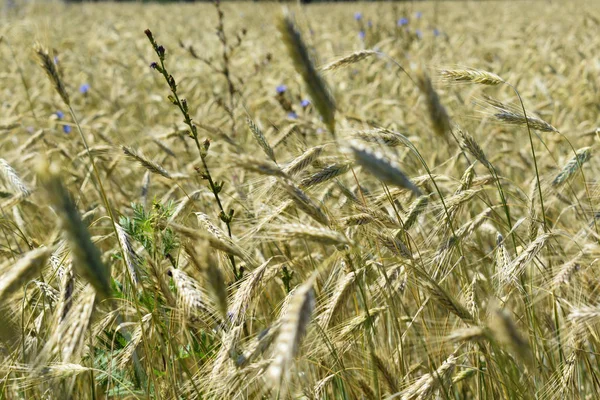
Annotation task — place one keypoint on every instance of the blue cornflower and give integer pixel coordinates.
(305, 103)
(403, 22)
(418, 14)
(369, 24)
(362, 35)
(55, 60)
(292, 115)
(436, 32)
(281, 89)
(357, 16)
(419, 34)
(67, 129)
(60, 114)
(84, 88)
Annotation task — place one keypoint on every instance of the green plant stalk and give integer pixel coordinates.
(194, 135)
(537, 174)
(528, 307)
(368, 327)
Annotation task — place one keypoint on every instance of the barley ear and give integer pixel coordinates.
(86, 256)
(13, 275)
(293, 327)
(349, 59)
(437, 112)
(303, 63)
(260, 138)
(581, 157)
(51, 69)
(471, 75)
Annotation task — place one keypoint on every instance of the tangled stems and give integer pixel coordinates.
(215, 187)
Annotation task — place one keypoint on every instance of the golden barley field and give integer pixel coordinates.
(331, 201)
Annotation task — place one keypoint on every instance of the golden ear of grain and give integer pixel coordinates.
(190, 296)
(317, 88)
(416, 208)
(340, 293)
(145, 162)
(470, 144)
(304, 202)
(426, 386)
(293, 327)
(383, 137)
(299, 163)
(471, 75)
(582, 156)
(13, 275)
(132, 260)
(213, 277)
(66, 342)
(445, 299)
(319, 235)
(387, 372)
(532, 250)
(326, 174)
(263, 167)
(86, 256)
(437, 112)
(260, 138)
(11, 178)
(51, 69)
(505, 331)
(349, 59)
(245, 293)
(381, 168)
(511, 116)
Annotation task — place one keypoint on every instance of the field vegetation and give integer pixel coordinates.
(358, 201)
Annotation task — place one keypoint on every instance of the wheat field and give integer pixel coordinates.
(256, 201)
